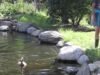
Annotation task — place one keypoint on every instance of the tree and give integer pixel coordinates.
(72, 10)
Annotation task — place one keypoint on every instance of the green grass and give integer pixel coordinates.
(40, 19)
(84, 40)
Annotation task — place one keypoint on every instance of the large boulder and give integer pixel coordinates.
(49, 36)
(70, 53)
(22, 27)
(4, 28)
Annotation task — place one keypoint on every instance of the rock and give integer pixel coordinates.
(68, 68)
(92, 67)
(36, 33)
(84, 70)
(22, 27)
(7, 23)
(31, 29)
(14, 21)
(49, 36)
(97, 63)
(83, 59)
(70, 53)
(71, 69)
(4, 28)
(68, 44)
(98, 71)
(60, 43)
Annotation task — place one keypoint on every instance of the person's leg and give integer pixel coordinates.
(97, 30)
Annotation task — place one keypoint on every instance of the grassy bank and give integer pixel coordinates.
(84, 40)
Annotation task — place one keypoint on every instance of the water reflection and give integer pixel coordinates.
(38, 57)
(4, 34)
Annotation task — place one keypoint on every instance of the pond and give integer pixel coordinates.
(38, 57)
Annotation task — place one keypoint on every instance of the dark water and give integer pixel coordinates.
(38, 57)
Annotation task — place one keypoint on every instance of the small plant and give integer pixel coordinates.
(93, 54)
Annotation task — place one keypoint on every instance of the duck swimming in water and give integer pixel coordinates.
(22, 64)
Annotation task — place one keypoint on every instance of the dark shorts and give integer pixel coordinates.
(96, 20)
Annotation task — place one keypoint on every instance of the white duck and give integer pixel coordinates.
(22, 64)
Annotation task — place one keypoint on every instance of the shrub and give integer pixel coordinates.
(12, 9)
(69, 11)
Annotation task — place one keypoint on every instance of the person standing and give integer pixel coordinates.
(96, 20)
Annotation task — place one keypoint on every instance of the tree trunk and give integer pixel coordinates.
(64, 19)
(37, 5)
(73, 22)
(80, 18)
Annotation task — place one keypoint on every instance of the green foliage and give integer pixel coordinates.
(93, 54)
(40, 19)
(70, 11)
(25, 12)
(12, 9)
(6, 8)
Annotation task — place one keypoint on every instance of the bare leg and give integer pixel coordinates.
(97, 30)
